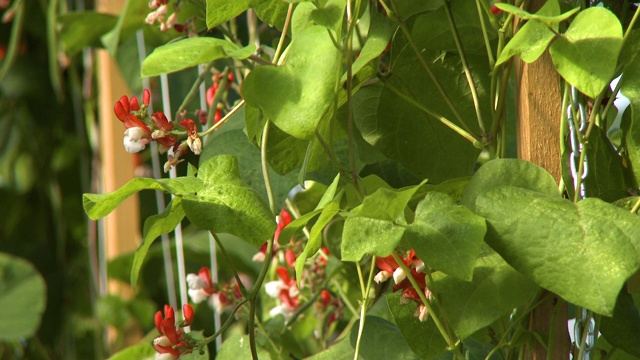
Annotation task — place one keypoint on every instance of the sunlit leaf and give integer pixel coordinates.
(583, 252)
(587, 54)
(100, 205)
(190, 52)
(227, 205)
(446, 236)
(296, 95)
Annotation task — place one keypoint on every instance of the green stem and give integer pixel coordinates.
(635, 207)
(612, 98)
(219, 124)
(485, 36)
(243, 290)
(363, 306)
(465, 66)
(585, 333)
(280, 46)
(230, 320)
(255, 290)
(470, 137)
(427, 67)
(436, 320)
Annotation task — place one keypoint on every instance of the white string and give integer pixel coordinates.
(160, 203)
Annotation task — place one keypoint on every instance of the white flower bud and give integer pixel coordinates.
(198, 295)
(382, 276)
(399, 275)
(273, 288)
(135, 140)
(195, 282)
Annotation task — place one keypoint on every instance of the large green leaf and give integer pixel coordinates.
(403, 132)
(232, 140)
(495, 291)
(372, 227)
(533, 38)
(100, 205)
(155, 226)
(512, 172)
(226, 204)
(190, 52)
(363, 235)
(587, 54)
(381, 339)
(623, 328)
(23, 297)
(423, 338)
(296, 95)
(583, 252)
(434, 31)
(446, 236)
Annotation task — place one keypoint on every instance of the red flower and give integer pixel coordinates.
(389, 267)
(164, 126)
(284, 289)
(217, 116)
(211, 93)
(194, 142)
(200, 286)
(172, 339)
(285, 219)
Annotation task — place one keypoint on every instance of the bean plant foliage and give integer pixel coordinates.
(395, 119)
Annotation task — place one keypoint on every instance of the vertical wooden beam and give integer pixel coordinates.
(539, 111)
(122, 226)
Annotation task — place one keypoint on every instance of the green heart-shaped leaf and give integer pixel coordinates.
(446, 236)
(587, 54)
(583, 252)
(226, 204)
(296, 95)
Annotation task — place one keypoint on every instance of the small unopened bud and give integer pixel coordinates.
(195, 145)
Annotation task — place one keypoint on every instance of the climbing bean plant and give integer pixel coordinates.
(414, 232)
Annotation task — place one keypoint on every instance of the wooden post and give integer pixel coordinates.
(539, 110)
(122, 226)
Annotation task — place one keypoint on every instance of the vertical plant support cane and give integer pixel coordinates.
(121, 227)
(539, 109)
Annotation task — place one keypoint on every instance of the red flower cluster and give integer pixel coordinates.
(286, 290)
(140, 127)
(389, 267)
(202, 288)
(172, 342)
